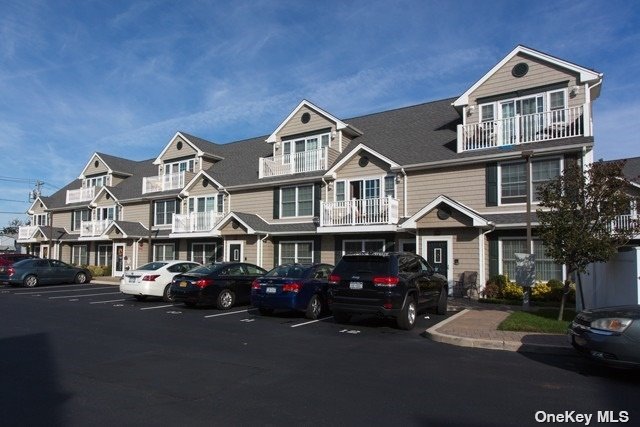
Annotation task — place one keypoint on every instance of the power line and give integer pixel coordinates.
(16, 213)
(12, 200)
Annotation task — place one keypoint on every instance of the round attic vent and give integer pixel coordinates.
(443, 213)
(205, 182)
(305, 118)
(96, 164)
(364, 161)
(520, 69)
(179, 145)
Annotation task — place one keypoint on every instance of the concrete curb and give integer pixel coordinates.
(515, 346)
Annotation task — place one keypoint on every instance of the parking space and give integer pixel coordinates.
(101, 297)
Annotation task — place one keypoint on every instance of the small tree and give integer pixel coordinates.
(13, 226)
(578, 218)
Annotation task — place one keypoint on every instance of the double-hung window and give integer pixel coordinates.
(78, 216)
(105, 255)
(296, 252)
(513, 179)
(546, 269)
(163, 252)
(181, 166)
(163, 212)
(106, 213)
(40, 219)
(203, 252)
(296, 201)
(79, 255)
(97, 181)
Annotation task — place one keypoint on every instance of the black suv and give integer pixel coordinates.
(392, 284)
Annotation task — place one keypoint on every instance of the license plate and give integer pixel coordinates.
(183, 284)
(270, 290)
(355, 285)
(132, 280)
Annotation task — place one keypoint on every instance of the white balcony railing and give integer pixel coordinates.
(81, 195)
(195, 221)
(382, 210)
(170, 181)
(94, 228)
(26, 231)
(304, 161)
(625, 222)
(523, 129)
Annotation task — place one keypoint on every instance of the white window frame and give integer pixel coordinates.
(533, 196)
(174, 167)
(102, 253)
(163, 246)
(296, 250)
(217, 198)
(155, 212)
(202, 251)
(74, 218)
(40, 219)
(288, 145)
(75, 256)
(100, 213)
(362, 243)
(501, 255)
(297, 201)
(97, 181)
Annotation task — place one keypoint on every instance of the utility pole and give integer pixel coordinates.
(527, 290)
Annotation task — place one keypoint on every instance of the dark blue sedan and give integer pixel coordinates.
(296, 287)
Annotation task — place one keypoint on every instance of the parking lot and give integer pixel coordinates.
(102, 297)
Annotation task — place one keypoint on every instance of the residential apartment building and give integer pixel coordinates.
(445, 179)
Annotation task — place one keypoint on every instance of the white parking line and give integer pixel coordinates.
(230, 312)
(158, 306)
(105, 302)
(22, 289)
(63, 290)
(311, 321)
(80, 296)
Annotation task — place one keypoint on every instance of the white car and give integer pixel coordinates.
(153, 279)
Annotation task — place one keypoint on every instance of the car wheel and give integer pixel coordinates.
(407, 318)
(442, 302)
(341, 317)
(81, 278)
(166, 295)
(30, 281)
(140, 297)
(265, 311)
(225, 301)
(314, 308)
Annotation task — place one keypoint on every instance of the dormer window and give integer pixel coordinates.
(97, 181)
(40, 219)
(181, 166)
(300, 145)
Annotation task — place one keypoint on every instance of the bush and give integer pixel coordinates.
(494, 287)
(512, 291)
(97, 270)
(541, 292)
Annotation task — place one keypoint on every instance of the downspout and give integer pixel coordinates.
(261, 248)
(326, 188)
(481, 260)
(404, 196)
(228, 198)
(135, 253)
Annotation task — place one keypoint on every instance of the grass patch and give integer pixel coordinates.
(542, 320)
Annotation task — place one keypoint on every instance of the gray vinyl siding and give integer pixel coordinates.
(172, 152)
(62, 219)
(540, 74)
(138, 212)
(464, 184)
(197, 189)
(259, 202)
(352, 170)
(295, 125)
(92, 169)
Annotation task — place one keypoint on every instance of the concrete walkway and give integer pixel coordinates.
(476, 325)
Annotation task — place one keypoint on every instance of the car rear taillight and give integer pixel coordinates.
(292, 287)
(255, 285)
(386, 281)
(150, 277)
(11, 271)
(203, 283)
(334, 279)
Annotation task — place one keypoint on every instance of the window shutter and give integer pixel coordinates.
(276, 251)
(492, 184)
(276, 203)
(316, 199)
(494, 266)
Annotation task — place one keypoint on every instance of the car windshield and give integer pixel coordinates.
(152, 266)
(206, 269)
(363, 264)
(292, 271)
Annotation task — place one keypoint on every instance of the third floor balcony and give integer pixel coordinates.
(287, 164)
(166, 182)
(523, 129)
(81, 195)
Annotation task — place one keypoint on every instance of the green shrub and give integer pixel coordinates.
(98, 270)
(512, 291)
(541, 292)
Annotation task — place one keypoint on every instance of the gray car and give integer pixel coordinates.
(610, 335)
(36, 271)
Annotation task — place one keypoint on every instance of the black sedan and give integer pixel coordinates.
(220, 284)
(610, 335)
(36, 271)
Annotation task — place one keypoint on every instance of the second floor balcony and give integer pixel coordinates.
(166, 182)
(626, 222)
(377, 211)
(94, 228)
(523, 129)
(195, 222)
(81, 195)
(26, 231)
(286, 164)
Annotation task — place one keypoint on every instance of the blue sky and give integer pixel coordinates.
(122, 77)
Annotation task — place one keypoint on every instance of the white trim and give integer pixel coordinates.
(585, 74)
(530, 183)
(158, 160)
(478, 220)
(92, 203)
(227, 249)
(297, 201)
(192, 181)
(83, 176)
(445, 238)
(331, 172)
(163, 244)
(38, 199)
(224, 221)
(296, 242)
(356, 229)
(304, 103)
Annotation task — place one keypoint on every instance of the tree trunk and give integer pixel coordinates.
(565, 292)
